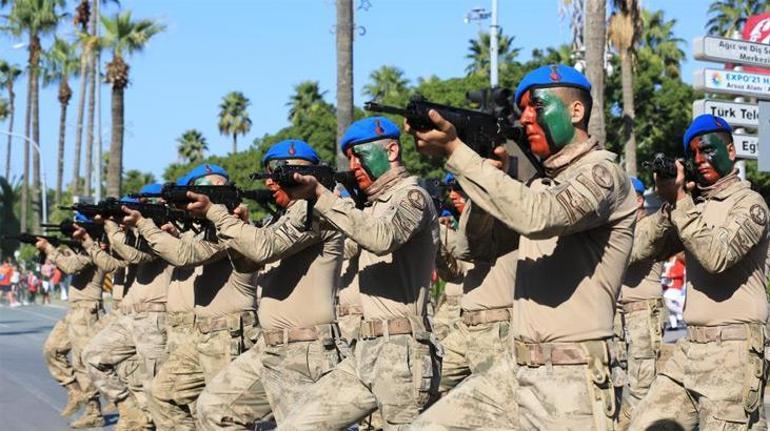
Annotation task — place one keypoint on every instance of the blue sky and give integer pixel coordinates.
(265, 47)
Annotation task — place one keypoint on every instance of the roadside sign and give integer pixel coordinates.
(764, 133)
(723, 50)
(737, 114)
(746, 146)
(732, 82)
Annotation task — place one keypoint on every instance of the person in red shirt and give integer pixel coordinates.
(673, 282)
(6, 272)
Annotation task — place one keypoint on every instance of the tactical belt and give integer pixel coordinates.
(277, 337)
(479, 317)
(378, 328)
(87, 304)
(645, 304)
(143, 307)
(207, 325)
(537, 355)
(347, 310)
(180, 318)
(453, 299)
(710, 334)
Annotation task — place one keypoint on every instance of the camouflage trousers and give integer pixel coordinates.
(471, 350)
(399, 374)
(71, 335)
(192, 366)
(711, 385)
(446, 315)
(280, 375)
(349, 324)
(179, 328)
(513, 396)
(643, 328)
(131, 372)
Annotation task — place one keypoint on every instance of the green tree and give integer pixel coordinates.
(123, 36)
(233, 116)
(133, 180)
(480, 56)
(9, 224)
(388, 84)
(60, 63)
(192, 145)
(659, 39)
(35, 18)
(9, 73)
(306, 101)
(728, 16)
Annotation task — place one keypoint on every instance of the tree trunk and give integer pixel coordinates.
(235, 143)
(36, 189)
(79, 133)
(89, 173)
(114, 174)
(64, 88)
(25, 183)
(595, 40)
(11, 98)
(627, 82)
(344, 74)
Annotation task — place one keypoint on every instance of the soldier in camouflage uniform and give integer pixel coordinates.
(85, 305)
(395, 363)
(576, 234)
(298, 343)
(716, 377)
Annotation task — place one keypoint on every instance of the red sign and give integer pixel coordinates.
(757, 29)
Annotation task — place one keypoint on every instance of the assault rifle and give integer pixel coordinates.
(481, 131)
(665, 167)
(55, 241)
(113, 208)
(67, 228)
(227, 195)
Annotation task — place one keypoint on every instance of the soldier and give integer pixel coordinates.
(298, 343)
(576, 233)
(716, 376)
(349, 311)
(641, 315)
(85, 305)
(225, 326)
(395, 363)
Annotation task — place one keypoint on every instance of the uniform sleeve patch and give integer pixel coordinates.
(758, 214)
(602, 176)
(416, 199)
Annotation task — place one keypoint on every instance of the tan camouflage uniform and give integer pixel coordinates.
(298, 343)
(576, 228)
(452, 272)
(716, 377)
(395, 364)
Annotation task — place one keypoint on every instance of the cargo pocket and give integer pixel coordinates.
(600, 385)
(754, 381)
(425, 365)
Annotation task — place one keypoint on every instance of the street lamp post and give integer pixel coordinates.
(44, 190)
(480, 14)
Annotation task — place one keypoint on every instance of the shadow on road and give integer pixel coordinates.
(38, 330)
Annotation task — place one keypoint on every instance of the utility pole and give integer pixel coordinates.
(344, 39)
(494, 31)
(98, 84)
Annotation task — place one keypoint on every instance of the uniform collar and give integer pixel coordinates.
(568, 155)
(385, 182)
(723, 188)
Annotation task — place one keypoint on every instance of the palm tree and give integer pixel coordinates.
(124, 37)
(134, 180)
(558, 55)
(233, 117)
(729, 16)
(61, 62)
(344, 47)
(306, 99)
(480, 56)
(387, 83)
(595, 41)
(625, 28)
(191, 146)
(8, 75)
(35, 18)
(658, 37)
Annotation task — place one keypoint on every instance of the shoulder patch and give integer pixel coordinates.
(602, 176)
(758, 214)
(416, 199)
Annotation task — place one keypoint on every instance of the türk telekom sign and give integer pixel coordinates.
(757, 29)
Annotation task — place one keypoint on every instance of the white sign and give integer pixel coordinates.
(746, 146)
(724, 50)
(732, 82)
(737, 114)
(764, 134)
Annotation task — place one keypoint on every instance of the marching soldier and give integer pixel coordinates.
(716, 376)
(576, 233)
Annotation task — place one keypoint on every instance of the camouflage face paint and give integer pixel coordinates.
(553, 118)
(374, 158)
(711, 158)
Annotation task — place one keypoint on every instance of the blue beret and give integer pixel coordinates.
(291, 149)
(205, 169)
(638, 184)
(129, 200)
(368, 130)
(183, 180)
(80, 218)
(446, 213)
(555, 75)
(151, 188)
(449, 178)
(344, 193)
(703, 124)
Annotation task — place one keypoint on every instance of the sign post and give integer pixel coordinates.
(764, 133)
(737, 114)
(722, 50)
(732, 82)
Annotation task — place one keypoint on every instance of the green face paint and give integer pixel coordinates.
(374, 158)
(553, 118)
(714, 149)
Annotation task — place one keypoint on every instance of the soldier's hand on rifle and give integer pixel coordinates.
(242, 212)
(80, 234)
(98, 219)
(41, 244)
(438, 142)
(171, 229)
(671, 190)
(132, 216)
(503, 161)
(307, 187)
(199, 204)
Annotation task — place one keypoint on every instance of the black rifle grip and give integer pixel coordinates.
(309, 215)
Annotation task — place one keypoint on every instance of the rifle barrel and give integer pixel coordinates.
(376, 107)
